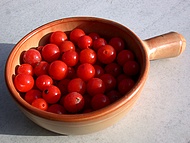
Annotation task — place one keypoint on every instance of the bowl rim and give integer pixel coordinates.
(83, 116)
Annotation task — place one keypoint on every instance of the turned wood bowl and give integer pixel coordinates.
(164, 46)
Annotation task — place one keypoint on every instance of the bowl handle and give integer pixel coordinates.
(167, 45)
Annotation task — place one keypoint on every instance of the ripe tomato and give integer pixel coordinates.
(124, 56)
(41, 68)
(51, 94)
(106, 54)
(113, 95)
(98, 43)
(84, 42)
(40, 103)
(70, 58)
(114, 69)
(117, 43)
(25, 69)
(32, 57)
(95, 86)
(76, 34)
(57, 70)
(77, 85)
(85, 71)
(98, 70)
(125, 85)
(87, 56)
(32, 94)
(94, 36)
(66, 46)
(58, 37)
(73, 102)
(63, 86)
(56, 108)
(23, 82)
(109, 81)
(43, 81)
(50, 52)
(131, 68)
(99, 101)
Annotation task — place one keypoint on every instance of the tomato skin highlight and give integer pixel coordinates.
(58, 37)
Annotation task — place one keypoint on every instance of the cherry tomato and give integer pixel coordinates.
(85, 71)
(113, 95)
(43, 81)
(40, 103)
(25, 69)
(99, 101)
(66, 46)
(71, 73)
(32, 94)
(56, 108)
(106, 54)
(121, 77)
(41, 68)
(124, 56)
(84, 42)
(87, 56)
(77, 85)
(58, 37)
(23, 82)
(57, 70)
(117, 43)
(131, 68)
(109, 81)
(63, 86)
(73, 102)
(94, 36)
(32, 57)
(98, 70)
(98, 43)
(114, 69)
(76, 34)
(51, 94)
(70, 58)
(125, 85)
(95, 86)
(50, 52)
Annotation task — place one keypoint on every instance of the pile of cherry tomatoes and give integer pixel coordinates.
(76, 72)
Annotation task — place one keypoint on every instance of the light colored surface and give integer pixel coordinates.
(162, 114)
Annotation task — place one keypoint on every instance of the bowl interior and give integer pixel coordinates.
(40, 37)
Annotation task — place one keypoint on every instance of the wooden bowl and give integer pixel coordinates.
(167, 45)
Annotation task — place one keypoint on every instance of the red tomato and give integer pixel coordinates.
(113, 95)
(76, 34)
(57, 70)
(94, 36)
(23, 82)
(98, 70)
(56, 108)
(73, 102)
(32, 94)
(32, 57)
(63, 86)
(131, 68)
(66, 46)
(114, 69)
(117, 43)
(84, 42)
(43, 81)
(40, 103)
(124, 56)
(95, 86)
(87, 56)
(51, 94)
(58, 37)
(85, 71)
(109, 81)
(25, 69)
(125, 85)
(50, 52)
(41, 68)
(77, 85)
(70, 58)
(99, 101)
(98, 43)
(106, 54)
